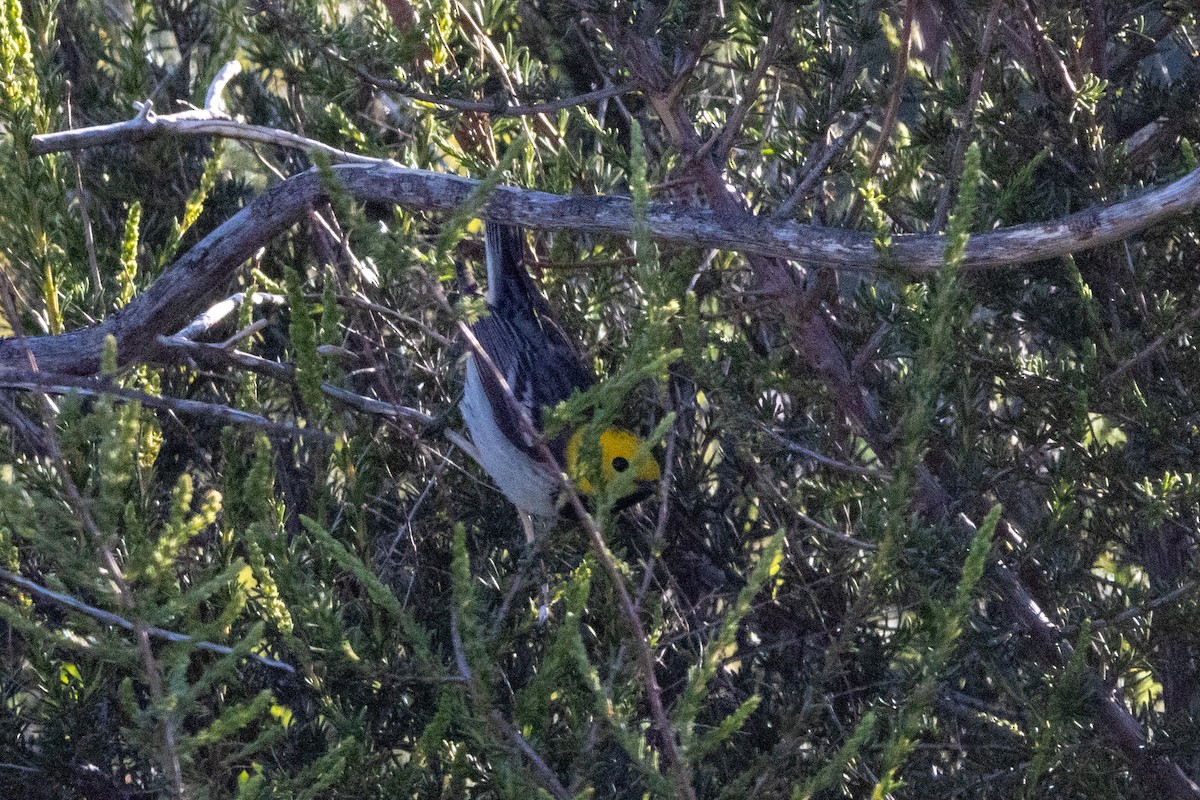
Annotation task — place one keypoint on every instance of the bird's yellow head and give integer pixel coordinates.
(618, 454)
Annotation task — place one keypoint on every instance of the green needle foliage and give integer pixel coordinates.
(127, 275)
(871, 475)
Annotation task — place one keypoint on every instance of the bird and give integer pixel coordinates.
(536, 359)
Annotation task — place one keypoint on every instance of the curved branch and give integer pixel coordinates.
(844, 249)
(202, 274)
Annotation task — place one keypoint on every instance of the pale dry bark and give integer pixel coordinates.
(203, 273)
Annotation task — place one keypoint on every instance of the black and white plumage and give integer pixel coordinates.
(540, 366)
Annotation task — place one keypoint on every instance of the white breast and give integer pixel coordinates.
(525, 482)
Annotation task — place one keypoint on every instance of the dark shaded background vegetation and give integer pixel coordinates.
(806, 581)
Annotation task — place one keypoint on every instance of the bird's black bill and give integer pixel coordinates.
(642, 491)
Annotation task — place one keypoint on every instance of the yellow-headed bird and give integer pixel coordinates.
(541, 367)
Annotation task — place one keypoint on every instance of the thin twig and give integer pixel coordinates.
(1151, 348)
(549, 780)
(379, 408)
(245, 333)
(495, 108)
(27, 432)
(98, 387)
(530, 553)
(844, 538)
(966, 119)
(216, 354)
(1137, 611)
(286, 372)
(873, 472)
(510, 80)
(814, 169)
(899, 80)
(362, 302)
(192, 122)
(664, 515)
(89, 239)
(115, 619)
(783, 18)
(1043, 46)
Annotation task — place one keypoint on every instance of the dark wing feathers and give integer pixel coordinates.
(538, 372)
(509, 285)
(528, 348)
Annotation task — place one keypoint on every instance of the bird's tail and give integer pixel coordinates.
(508, 283)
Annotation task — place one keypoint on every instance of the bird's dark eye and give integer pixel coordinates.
(620, 464)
